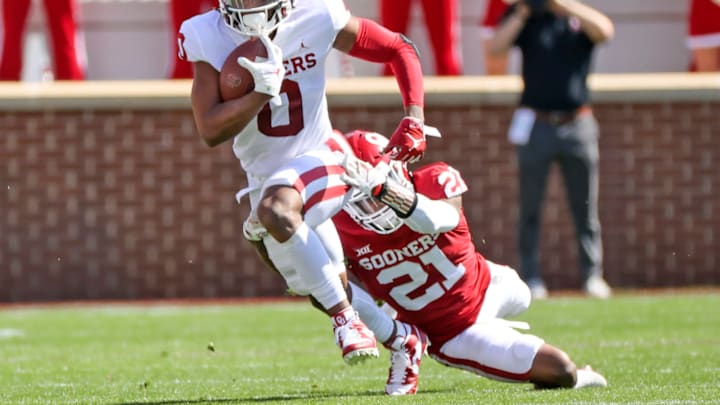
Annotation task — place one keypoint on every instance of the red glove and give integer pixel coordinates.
(407, 143)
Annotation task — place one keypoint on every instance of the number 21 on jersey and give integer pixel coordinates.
(404, 294)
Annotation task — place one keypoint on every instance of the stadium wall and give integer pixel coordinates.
(109, 193)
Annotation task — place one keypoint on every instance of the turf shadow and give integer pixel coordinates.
(261, 399)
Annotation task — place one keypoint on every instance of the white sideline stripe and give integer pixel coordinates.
(11, 333)
(150, 309)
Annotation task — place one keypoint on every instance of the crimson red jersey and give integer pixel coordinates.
(436, 282)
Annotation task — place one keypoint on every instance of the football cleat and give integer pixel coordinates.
(353, 337)
(406, 351)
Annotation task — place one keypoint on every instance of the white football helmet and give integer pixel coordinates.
(368, 212)
(254, 17)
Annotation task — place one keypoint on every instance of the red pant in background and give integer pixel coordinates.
(60, 17)
(181, 10)
(441, 26)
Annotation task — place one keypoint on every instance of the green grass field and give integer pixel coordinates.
(655, 349)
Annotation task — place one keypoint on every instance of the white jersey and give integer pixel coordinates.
(296, 121)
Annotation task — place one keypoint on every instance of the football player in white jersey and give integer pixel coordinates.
(407, 240)
(279, 131)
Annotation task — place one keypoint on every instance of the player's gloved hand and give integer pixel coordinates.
(253, 230)
(363, 176)
(407, 143)
(268, 75)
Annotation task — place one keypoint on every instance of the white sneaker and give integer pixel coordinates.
(538, 291)
(406, 351)
(353, 337)
(596, 287)
(587, 378)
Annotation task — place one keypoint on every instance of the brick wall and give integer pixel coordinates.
(659, 190)
(127, 202)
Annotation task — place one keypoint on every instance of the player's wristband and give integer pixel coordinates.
(402, 200)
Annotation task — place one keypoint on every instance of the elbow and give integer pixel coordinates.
(605, 32)
(210, 138)
(209, 142)
(497, 52)
(609, 32)
(496, 49)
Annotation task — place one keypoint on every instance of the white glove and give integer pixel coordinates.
(253, 230)
(363, 176)
(268, 75)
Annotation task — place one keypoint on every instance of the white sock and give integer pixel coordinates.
(375, 319)
(331, 240)
(316, 273)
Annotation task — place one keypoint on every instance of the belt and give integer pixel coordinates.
(561, 117)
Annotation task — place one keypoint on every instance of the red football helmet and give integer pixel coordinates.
(368, 212)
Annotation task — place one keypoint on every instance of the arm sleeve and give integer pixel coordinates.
(375, 43)
(432, 216)
(435, 183)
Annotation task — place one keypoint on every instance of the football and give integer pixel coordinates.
(235, 80)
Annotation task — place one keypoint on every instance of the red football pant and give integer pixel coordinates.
(441, 26)
(60, 17)
(181, 10)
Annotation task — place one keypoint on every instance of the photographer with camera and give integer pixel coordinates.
(554, 123)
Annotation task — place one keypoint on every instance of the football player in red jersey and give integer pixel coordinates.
(405, 236)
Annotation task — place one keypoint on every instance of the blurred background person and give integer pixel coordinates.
(554, 123)
(704, 35)
(442, 27)
(494, 10)
(61, 22)
(181, 10)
